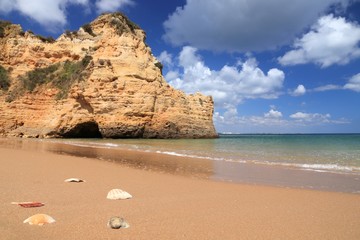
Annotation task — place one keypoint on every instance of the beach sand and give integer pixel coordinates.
(164, 205)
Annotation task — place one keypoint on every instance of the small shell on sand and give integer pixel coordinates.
(116, 194)
(117, 222)
(74, 180)
(39, 219)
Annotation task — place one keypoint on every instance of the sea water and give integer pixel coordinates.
(329, 162)
(338, 153)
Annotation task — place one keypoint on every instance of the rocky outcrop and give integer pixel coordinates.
(100, 81)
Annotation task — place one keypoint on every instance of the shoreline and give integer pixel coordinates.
(223, 171)
(164, 206)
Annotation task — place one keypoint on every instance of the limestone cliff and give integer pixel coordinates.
(99, 81)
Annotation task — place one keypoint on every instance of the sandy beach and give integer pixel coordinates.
(164, 205)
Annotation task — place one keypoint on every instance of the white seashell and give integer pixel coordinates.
(116, 194)
(39, 219)
(74, 180)
(117, 222)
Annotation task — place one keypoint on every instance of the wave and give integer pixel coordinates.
(326, 167)
(304, 166)
(334, 168)
(188, 155)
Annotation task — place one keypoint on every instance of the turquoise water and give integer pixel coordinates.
(317, 152)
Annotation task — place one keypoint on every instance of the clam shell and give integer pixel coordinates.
(39, 219)
(74, 180)
(117, 222)
(116, 194)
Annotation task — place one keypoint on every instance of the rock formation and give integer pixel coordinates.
(99, 81)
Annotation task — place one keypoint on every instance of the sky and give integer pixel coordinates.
(274, 66)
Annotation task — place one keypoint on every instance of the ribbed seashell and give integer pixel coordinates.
(116, 194)
(74, 180)
(117, 222)
(39, 219)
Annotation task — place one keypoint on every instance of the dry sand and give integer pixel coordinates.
(165, 206)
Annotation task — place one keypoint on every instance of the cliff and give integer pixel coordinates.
(99, 81)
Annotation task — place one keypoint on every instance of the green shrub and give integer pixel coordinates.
(87, 28)
(3, 25)
(42, 38)
(86, 60)
(46, 39)
(130, 23)
(38, 77)
(4, 79)
(71, 34)
(116, 22)
(10, 97)
(68, 33)
(71, 72)
(60, 75)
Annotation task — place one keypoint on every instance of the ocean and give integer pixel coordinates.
(338, 153)
(313, 161)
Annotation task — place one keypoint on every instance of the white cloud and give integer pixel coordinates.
(243, 25)
(299, 91)
(273, 114)
(354, 83)
(112, 5)
(311, 117)
(52, 14)
(231, 84)
(172, 75)
(332, 40)
(273, 121)
(328, 87)
(6, 6)
(165, 58)
(232, 118)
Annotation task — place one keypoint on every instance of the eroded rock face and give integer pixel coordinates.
(119, 93)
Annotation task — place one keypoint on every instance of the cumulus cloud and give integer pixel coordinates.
(230, 85)
(354, 83)
(112, 5)
(52, 14)
(273, 114)
(232, 118)
(165, 58)
(332, 40)
(299, 91)
(244, 25)
(311, 117)
(6, 6)
(273, 120)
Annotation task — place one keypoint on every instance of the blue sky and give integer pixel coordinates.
(274, 66)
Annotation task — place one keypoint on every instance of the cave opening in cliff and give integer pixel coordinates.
(84, 130)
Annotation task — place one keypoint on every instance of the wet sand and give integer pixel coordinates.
(237, 172)
(165, 205)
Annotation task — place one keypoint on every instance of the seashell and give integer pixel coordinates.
(74, 180)
(29, 204)
(117, 222)
(39, 219)
(116, 194)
